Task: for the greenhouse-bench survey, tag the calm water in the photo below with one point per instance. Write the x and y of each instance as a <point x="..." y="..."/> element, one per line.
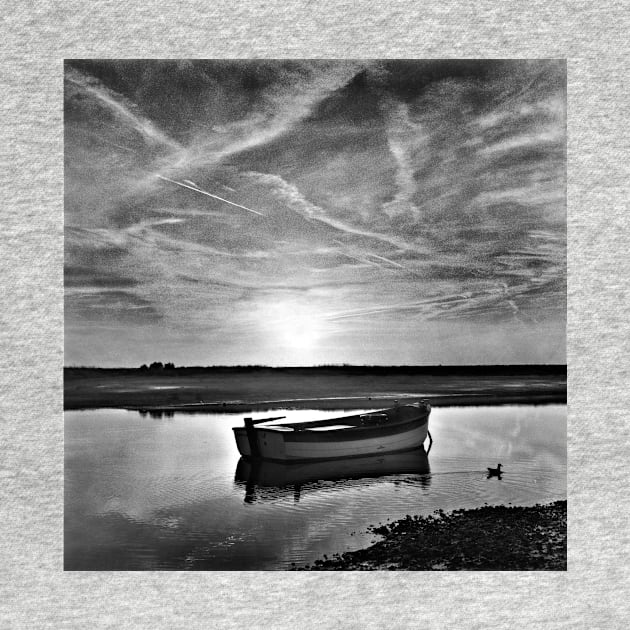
<point x="170" y="493"/>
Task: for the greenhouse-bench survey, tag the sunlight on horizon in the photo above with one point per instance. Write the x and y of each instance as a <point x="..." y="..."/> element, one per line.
<point x="291" y="326"/>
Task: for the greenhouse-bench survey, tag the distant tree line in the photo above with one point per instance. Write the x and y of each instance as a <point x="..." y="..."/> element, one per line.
<point x="157" y="366"/>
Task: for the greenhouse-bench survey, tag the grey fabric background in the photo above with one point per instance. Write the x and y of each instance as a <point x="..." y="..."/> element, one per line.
<point x="34" y="590"/>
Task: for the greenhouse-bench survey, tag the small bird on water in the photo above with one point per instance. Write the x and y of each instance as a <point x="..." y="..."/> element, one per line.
<point x="494" y="472"/>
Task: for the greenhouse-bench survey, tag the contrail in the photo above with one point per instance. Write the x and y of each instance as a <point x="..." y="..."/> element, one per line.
<point x="203" y="192"/>
<point x="387" y="260"/>
<point x="145" y="127"/>
<point x="361" y="260"/>
<point x="413" y="306"/>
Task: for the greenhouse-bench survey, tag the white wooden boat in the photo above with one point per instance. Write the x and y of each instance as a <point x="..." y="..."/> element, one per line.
<point x="399" y="428"/>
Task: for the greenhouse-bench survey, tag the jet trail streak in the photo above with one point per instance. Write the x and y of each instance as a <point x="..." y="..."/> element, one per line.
<point x="203" y="192"/>
<point x="387" y="260"/>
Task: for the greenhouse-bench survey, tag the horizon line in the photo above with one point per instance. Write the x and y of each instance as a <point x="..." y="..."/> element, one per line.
<point x="321" y="365"/>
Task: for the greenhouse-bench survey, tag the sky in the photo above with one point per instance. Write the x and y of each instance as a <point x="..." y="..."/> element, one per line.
<point x="311" y="212"/>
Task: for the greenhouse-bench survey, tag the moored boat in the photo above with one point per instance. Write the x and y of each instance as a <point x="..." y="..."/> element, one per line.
<point x="399" y="428"/>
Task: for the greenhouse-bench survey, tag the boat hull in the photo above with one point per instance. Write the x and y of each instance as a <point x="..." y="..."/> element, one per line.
<point x="402" y="428"/>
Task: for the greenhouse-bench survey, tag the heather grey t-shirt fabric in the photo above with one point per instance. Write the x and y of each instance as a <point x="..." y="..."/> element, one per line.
<point x="34" y="590"/>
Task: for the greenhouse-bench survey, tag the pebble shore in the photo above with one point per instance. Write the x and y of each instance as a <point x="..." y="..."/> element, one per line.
<point x="490" y="538"/>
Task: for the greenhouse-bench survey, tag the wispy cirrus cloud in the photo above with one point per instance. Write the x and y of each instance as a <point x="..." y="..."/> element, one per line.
<point x="290" y="195"/>
<point x="291" y="99"/>
<point x="401" y="200"/>
<point x="119" y="106"/>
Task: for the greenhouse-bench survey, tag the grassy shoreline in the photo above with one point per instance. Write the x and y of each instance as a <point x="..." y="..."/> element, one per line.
<point x="353" y="403"/>
<point x="327" y="388"/>
<point x="490" y="538"/>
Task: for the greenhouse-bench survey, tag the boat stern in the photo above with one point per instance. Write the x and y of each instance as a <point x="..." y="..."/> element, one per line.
<point x="242" y="441"/>
<point x="267" y="443"/>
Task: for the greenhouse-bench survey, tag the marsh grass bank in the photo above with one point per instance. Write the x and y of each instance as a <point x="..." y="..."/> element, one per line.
<point x="242" y="388"/>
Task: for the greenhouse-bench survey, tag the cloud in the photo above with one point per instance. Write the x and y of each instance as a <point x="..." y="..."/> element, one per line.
<point x="112" y="305"/>
<point x="407" y="143"/>
<point x="399" y="197"/>
<point x="278" y="107"/>
<point x="117" y="105"/>
<point x="78" y="276"/>
<point x="290" y="195"/>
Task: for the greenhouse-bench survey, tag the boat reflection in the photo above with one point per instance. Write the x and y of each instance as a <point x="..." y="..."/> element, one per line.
<point x="268" y="480"/>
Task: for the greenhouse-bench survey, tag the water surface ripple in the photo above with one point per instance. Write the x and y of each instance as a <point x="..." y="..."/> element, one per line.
<point x="172" y="493"/>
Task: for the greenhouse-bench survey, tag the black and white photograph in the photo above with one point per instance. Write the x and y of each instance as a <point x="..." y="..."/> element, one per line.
<point x="315" y="314"/>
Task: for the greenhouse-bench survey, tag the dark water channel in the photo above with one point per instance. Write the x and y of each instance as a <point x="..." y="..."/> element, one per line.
<point x="144" y="493"/>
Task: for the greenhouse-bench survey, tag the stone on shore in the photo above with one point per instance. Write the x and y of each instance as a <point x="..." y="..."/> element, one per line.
<point x="490" y="538"/>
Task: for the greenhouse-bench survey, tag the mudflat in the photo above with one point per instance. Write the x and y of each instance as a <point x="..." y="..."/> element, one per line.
<point x="347" y="387"/>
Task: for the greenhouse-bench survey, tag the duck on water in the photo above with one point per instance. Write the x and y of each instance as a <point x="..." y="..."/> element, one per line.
<point x="495" y="472"/>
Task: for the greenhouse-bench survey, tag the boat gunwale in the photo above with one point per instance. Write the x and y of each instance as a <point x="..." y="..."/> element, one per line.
<point x="356" y="418"/>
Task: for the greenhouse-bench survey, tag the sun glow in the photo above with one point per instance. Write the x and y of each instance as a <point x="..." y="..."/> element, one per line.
<point x="293" y="328"/>
<point x="300" y="332"/>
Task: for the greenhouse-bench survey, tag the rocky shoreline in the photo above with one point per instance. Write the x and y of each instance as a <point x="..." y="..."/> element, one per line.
<point x="490" y="538"/>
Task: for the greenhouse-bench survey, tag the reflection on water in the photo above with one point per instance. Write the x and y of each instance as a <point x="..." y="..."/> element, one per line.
<point x="156" y="414"/>
<point x="145" y="492"/>
<point x="270" y="480"/>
